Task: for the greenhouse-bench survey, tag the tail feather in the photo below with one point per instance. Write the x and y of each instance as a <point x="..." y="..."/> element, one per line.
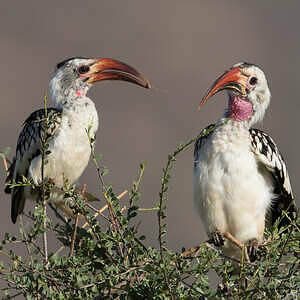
<point x="17" y="202"/>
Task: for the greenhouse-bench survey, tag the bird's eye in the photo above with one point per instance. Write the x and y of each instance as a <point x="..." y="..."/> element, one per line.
<point x="253" y="80"/>
<point x="83" y="69"/>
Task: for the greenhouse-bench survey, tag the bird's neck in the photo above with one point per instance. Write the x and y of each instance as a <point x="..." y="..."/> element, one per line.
<point x="231" y="126"/>
<point x="81" y="111"/>
<point x="80" y="104"/>
<point x="63" y="96"/>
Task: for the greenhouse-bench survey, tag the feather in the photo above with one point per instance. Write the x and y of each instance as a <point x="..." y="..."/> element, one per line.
<point x="270" y="159"/>
<point x="28" y="147"/>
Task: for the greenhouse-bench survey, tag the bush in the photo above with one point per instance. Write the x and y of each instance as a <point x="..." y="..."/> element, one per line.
<point x="95" y="261"/>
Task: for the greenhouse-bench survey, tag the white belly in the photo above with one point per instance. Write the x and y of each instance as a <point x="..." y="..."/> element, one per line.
<point x="229" y="191"/>
<point x="70" y="153"/>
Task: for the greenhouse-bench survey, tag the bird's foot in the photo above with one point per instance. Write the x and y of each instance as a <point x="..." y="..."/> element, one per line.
<point x="225" y="290"/>
<point x="252" y="249"/>
<point x="216" y="238"/>
<point x="69" y="202"/>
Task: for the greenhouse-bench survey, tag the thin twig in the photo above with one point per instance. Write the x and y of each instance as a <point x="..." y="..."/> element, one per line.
<point x="136" y="184"/>
<point x="5" y="163"/>
<point x="57" y="214"/>
<point x="236" y="242"/>
<point x="74" y="236"/>
<point x="37" y="247"/>
<point x="75" y="225"/>
<point x="58" y="250"/>
<point x="24" y="236"/>
<point x="101" y="210"/>
<point x="112" y="214"/>
<point x="44" y="141"/>
<point x="45" y="234"/>
<point x="192" y="250"/>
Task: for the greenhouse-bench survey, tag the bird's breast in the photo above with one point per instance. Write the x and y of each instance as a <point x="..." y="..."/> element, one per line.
<point x="69" y="148"/>
<point x="227" y="172"/>
<point x="69" y="155"/>
<point x="72" y="146"/>
<point x="224" y="161"/>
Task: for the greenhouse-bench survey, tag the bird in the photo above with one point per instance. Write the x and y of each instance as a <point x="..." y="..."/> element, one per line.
<point x="71" y="116"/>
<point x="241" y="183"/>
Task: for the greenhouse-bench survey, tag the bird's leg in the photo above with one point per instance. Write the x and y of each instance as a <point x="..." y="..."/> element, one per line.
<point x="216" y="238"/>
<point x="225" y="290"/>
<point x="252" y="249"/>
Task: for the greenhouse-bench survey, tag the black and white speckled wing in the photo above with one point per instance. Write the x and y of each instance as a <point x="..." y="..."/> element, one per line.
<point x="200" y="142"/>
<point x="29" y="147"/>
<point x="271" y="160"/>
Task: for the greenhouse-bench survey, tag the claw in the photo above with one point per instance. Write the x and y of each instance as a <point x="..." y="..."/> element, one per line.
<point x="252" y="249"/>
<point x="217" y="238"/>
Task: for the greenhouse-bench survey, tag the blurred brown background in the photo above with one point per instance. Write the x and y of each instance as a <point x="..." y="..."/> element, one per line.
<point x="181" y="46"/>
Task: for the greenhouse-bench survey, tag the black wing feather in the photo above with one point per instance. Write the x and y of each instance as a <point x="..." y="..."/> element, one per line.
<point x="270" y="158"/>
<point x="28" y="147"/>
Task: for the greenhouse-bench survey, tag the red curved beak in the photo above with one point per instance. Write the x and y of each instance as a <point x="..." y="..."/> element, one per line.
<point x="233" y="79"/>
<point x="111" y="69"/>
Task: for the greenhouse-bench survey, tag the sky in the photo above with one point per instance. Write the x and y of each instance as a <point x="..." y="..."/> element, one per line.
<point x="181" y="47"/>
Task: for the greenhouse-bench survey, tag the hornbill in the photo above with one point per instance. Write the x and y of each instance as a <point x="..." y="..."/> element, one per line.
<point x="241" y="181"/>
<point x="73" y="114"/>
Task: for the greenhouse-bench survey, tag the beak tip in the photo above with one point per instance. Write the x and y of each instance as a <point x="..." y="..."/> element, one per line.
<point x="148" y="85"/>
<point x="202" y="102"/>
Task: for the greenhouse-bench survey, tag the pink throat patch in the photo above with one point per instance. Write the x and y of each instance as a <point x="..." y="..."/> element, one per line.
<point x="80" y="93"/>
<point x="239" y="109"/>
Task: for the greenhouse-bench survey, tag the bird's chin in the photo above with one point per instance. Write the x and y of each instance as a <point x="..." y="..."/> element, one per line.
<point x="80" y="93"/>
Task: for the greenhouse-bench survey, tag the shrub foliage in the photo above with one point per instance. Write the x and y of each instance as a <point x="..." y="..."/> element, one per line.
<point x="106" y="257"/>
